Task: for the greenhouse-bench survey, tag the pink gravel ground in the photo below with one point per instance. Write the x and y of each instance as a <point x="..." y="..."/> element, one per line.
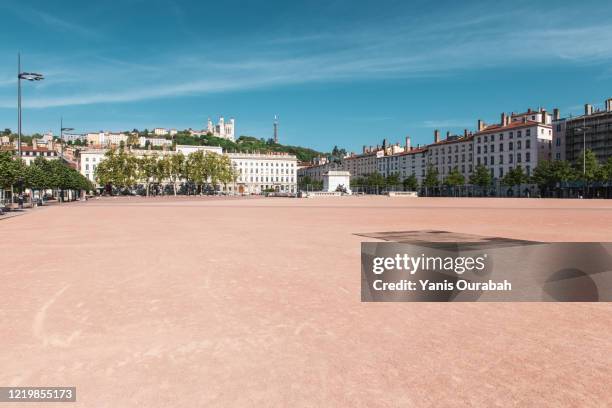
<point x="256" y="302"/>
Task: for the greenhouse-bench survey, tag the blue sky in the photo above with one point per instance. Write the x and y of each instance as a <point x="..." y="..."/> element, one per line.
<point x="336" y="72"/>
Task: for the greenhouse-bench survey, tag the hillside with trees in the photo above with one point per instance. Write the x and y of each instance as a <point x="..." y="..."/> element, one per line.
<point x="246" y="144"/>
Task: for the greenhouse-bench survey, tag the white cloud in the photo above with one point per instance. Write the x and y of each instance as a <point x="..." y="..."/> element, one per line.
<point x="446" y="47"/>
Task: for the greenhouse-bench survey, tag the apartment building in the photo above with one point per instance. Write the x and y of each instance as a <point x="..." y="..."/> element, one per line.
<point x="318" y="169"/>
<point x="592" y="130"/>
<point x="30" y="153"/>
<point x="106" y="139"/>
<point x="403" y="162"/>
<point x="456" y="151"/>
<point x="362" y="165"/>
<point x="257" y="172"/>
<point x="154" y="141"/>
<point x="519" y="139"/>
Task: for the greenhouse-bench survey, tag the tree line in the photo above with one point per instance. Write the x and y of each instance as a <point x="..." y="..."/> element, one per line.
<point x="39" y="176"/>
<point x="548" y="175"/>
<point x="123" y="170"/>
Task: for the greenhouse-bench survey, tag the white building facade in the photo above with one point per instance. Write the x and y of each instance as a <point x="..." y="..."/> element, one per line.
<point x="154" y="141"/>
<point x="258" y="172"/>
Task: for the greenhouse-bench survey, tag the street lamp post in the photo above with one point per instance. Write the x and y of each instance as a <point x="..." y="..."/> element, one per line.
<point x="28" y="76"/>
<point x="583" y="129"/>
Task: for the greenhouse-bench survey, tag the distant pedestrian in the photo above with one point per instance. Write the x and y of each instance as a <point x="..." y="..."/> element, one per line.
<point x="20" y="201"/>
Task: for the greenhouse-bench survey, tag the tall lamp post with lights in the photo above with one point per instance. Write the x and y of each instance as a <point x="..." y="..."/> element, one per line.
<point x="27" y="76"/>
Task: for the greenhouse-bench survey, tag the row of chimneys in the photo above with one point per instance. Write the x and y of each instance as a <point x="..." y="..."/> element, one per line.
<point x="588" y="108"/>
<point x="407" y="147"/>
<point x="505" y="121"/>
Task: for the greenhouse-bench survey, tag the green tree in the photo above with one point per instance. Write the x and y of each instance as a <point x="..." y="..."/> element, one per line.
<point x="11" y="170"/>
<point x="392" y="180"/>
<point x="147" y="170"/>
<point x="607" y="170"/>
<point x="176" y="169"/>
<point x="481" y="177"/>
<point x="118" y="169"/>
<point x="515" y="177"/>
<point x="411" y="183"/>
<point x="454" y="179"/>
<point x="590" y="172"/>
<point x="197" y="169"/>
<point x="431" y="177"/>
<point x="375" y="181"/>
<point x="548" y="174"/>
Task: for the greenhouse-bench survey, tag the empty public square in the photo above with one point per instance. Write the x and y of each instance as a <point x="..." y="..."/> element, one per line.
<point x="256" y="302"/>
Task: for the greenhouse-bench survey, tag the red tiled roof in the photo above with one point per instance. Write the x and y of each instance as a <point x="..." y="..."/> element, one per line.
<point x="456" y="140"/>
<point x="413" y="151"/>
<point x="513" y="125"/>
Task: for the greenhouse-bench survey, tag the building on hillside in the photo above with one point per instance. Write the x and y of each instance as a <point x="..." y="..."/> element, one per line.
<point x="592" y="130"/>
<point x="106" y="138"/>
<point x="160" y="131"/>
<point x="154" y="141"/>
<point x="72" y="137"/>
<point x="258" y="172"/>
<point x="222" y="129"/>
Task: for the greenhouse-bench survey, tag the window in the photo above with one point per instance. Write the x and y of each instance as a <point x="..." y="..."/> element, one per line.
<point x="558" y="141"/>
<point x="518" y="133"/>
<point x="510" y="157"/>
<point x="510" y="146"/>
<point x="518" y="157"/>
<point x="501" y="147"/>
<point x="501" y="159"/>
<point x="528" y="156"/>
<point x="518" y="145"/>
<point x="492" y="148"/>
<point x="527" y="144"/>
<point x="492" y="160"/>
